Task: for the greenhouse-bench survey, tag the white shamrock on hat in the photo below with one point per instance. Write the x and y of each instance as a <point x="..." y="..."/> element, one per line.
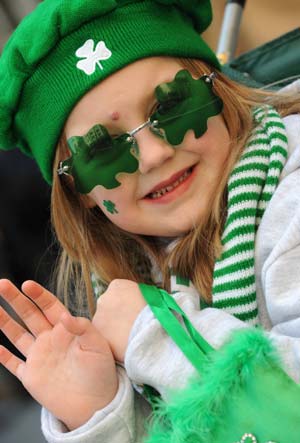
<point x="92" y="57"/>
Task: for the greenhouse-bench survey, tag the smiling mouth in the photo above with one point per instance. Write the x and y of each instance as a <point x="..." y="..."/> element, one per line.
<point x="163" y="191"/>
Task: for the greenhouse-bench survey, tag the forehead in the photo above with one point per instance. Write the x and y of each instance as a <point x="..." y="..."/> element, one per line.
<point x="131" y="86"/>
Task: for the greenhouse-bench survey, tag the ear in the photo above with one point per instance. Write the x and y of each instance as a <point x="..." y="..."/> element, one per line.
<point x="87" y="201"/>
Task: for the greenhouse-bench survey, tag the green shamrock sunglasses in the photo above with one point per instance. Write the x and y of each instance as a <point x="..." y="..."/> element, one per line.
<point x="183" y="104"/>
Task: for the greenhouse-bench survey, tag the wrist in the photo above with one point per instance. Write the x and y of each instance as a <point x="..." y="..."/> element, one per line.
<point x="87" y="408"/>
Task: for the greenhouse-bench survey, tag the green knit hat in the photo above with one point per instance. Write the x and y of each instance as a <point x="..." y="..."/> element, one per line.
<point x="65" y="47"/>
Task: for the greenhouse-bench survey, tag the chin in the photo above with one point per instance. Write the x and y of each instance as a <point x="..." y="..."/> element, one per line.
<point x="165" y="228"/>
<point x="174" y="231"/>
<point x="182" y="228"/>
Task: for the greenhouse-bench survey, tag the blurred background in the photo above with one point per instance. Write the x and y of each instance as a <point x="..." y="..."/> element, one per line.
<point x="26" y="245"/>
<point x="26" y="250"/>
<point x="262" y="21"/>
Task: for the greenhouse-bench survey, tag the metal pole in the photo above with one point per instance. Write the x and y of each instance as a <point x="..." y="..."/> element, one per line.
<point x="230" y="30"/>
<point x="16" y="10"/>
<point x="6" y="27"/>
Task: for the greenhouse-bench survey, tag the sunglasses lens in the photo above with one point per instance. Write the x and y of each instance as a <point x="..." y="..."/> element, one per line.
<point x="97" y="159"/>
<point x="185" y="104"/>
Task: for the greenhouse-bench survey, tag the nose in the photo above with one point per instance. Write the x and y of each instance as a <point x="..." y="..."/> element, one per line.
<point x="153" y="150"/>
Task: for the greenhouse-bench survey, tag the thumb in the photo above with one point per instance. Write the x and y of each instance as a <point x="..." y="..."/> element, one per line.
<point x="89" y="338"/>
<point x="75" y="325"/>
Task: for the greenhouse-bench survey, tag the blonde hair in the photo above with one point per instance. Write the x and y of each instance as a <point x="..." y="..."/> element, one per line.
<point x="91" y="243"/>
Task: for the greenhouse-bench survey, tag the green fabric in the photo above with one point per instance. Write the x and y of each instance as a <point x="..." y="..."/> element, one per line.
<point x="66" y="47"/>
<point x="161" y="303"/>
<point x="240" y="389"/>
<point x="274" y="64"/>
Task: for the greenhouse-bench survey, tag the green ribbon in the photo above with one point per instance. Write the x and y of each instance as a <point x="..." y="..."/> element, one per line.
<point x="164" y="307"/>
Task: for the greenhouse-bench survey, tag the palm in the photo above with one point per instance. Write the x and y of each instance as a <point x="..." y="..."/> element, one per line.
<point x="69" y="367"/>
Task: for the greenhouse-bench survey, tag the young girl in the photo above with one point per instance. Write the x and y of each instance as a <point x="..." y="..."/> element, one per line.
<point x="165" y="172"/>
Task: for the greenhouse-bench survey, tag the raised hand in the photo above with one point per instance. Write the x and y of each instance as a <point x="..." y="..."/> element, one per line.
<point x="69" y="367"/>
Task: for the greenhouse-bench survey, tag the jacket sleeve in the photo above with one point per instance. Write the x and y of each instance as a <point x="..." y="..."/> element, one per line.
<point x="278" y="258"/>
<point x="122" y="420"/>
<point x="153" y="358"/>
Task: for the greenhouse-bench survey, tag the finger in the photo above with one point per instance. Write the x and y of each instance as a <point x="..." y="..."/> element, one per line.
<point x="48" y="303"/>
<point x="25" y="308"/>
<point x="18" y="336"/>
<point x="14" y="364"/>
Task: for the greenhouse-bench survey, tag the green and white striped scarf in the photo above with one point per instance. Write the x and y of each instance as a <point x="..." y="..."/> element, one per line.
<point x="250" y="188"/>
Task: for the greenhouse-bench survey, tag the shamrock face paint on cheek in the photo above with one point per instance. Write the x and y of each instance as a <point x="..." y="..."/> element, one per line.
<point x="97" y="159"/>
<point x="110" y="207"/>
<point x="184" y="104"/>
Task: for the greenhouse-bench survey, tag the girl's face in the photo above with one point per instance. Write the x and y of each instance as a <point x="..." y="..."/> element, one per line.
<point x="173" y="186"/>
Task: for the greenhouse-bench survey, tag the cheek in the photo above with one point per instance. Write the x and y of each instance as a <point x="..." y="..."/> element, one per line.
<point x="213" y="145"/>
<point x="198" y="146"/>
<point x="112" y="202"/>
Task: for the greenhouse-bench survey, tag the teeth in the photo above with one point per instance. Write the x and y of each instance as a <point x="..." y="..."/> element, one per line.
<point x="163" y="191"/>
